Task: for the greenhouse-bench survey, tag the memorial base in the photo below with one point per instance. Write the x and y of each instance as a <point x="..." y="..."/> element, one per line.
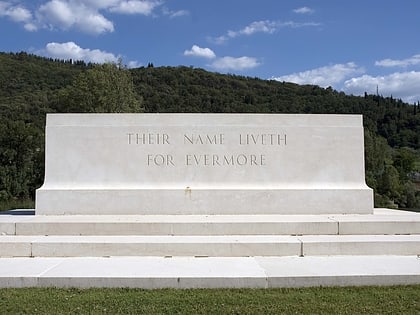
<point x="209" y="251"/>
<point x="205" y="201"/>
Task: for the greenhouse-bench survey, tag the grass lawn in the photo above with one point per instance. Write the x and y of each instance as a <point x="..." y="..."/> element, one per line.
<point x="348" y="300"/>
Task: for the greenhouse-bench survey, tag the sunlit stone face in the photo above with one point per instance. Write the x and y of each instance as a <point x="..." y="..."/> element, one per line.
<point x="228" y="163"/>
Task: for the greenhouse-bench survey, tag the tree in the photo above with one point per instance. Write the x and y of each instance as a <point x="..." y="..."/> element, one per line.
<point x="405" y="161"/>
<point x="106" y="88"/>
<point x="390" y="183"/>
<point x="20" y="148"/>
<point x="378" y="155"/>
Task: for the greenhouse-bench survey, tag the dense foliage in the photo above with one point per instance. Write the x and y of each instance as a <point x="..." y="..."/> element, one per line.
<point x="32" y="86"/>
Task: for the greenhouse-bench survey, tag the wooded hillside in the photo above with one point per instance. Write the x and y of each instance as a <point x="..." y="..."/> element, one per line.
<point x="32" y="86"/>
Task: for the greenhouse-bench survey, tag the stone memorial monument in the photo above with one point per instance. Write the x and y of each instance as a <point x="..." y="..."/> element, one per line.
<point x="204" y="164"/>
<point x="205" y="201"/>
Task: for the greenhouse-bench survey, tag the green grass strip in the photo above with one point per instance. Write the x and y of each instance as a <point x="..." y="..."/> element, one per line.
<point x="332" y="300"/>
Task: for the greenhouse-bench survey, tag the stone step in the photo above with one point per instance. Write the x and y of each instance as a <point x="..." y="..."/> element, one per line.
<point x="211" y="246"/>
<point x="211" y="272"/>
<point x="383" y="221"/>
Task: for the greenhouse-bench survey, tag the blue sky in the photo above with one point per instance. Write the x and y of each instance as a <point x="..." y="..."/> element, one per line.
<point x="354" y="46"/>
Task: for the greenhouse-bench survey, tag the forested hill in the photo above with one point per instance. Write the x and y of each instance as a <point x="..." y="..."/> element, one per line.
<point x="183" y="89"/>
<point x="32" y="86"/>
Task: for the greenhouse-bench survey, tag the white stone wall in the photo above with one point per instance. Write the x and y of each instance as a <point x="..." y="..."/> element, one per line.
<point x="204" y="164"/>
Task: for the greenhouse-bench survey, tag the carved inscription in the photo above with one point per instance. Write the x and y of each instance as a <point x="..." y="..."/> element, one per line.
<point x="206" y="141"/>
<point x="148" y="138"/>
<point x="263" y="139"/>
<point x="224" y="160"/>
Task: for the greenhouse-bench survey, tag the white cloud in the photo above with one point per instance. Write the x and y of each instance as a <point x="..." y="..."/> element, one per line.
<point x="174" y="14"/>
<point x="100" y="4"/>
<point x="404" y="85"/>
<point x="83" y="15"/>
<point x="57" y="12"/>
<point x="94" y="23"/>
<point x="65" y="14"/>
<point x="266" y="26"/>
<point x="218" y="40"/>
<point x="303" y="10"/>
<point x="135" y="7"/>
<point x="70" y="50"/>
<point x="17" y="14"/>
<point x="134" y="64"/>
<point x="31" y="27"/>
<point x="224" y="63"/>
<point x="197" y="51"/>
<point x="348" y="77"/>
<point x="412" y="61"/>
<point x="236" y="64"/>
<point x="256" y="27"/>
<point x="323" y="76"/>
<point x="292" y="24"/>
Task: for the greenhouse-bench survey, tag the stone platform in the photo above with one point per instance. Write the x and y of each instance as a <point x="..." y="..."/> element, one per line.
<point x="209" y="272"/>
<point x="153" y="251"/>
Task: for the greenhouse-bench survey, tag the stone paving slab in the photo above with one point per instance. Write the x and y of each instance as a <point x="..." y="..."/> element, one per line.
<point x="320" y="245"/>
<point x="212" y="246"/>
<point x="222" y="272"/>
<point x="216" y="246"/>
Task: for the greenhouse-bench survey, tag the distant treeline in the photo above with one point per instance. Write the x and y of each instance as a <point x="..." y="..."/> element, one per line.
<point x="31" y="86"/>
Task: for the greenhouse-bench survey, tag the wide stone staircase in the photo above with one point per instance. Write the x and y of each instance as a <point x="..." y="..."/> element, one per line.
<point x="153" y="251"/>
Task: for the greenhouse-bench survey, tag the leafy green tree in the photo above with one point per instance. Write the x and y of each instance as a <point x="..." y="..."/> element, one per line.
<point x="410" y="197"/>
<point x="20" y="148"/>
<point x="106" y="88"/>
<point x="378" y="154"/>
<point x="404" y="161"/>
<point x="390" y="183"/>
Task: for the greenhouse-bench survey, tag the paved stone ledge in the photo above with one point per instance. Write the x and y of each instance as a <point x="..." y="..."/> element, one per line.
<point x="377" y="259"/>
<point x="211" y="246"/>
<point x="383" y="221"/>
<point x="227" y="272"/>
